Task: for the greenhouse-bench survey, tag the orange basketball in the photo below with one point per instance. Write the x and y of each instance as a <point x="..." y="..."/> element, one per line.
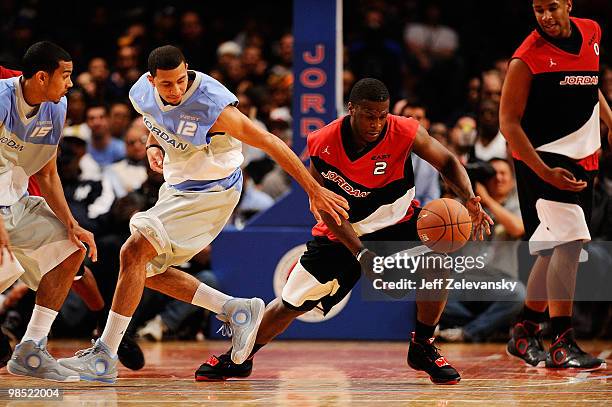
<point x="444" y="225"/>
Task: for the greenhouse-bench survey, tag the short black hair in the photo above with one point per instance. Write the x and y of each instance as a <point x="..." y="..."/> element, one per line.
<point x="96" y="105"/>
<point x="166" y="57"/>
<point x="369" y="89"/>
<point x="43" y="56"/>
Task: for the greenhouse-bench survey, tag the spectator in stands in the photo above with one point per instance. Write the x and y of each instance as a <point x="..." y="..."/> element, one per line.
<point x="254" y="65"/>
<point x="130" y="173"/>
<point x="75" y="114"/>
<point x="120" y="118"/>
<point x="376" y="54"/>
<point x="284" y="55"/>
<point x="126" y="70"/>
<point x="491" y="86"/>
<point x="490" y="143"/>
<point x="88" y="198"/>
<point x="227" y="52"/>
<point x="439" y="131"/>
<point x="432" y="48"/>
<point x="277" y="182"/>
<point x="198" y="49"/>
<point x="248" y="108"/>
<point x="103" y="147"/>
<point x="426" y="177"/>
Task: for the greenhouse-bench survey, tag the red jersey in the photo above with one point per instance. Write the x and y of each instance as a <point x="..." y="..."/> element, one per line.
<point x="8" y="73"/>
<point x="378" y="182"/>
<point x="562" y="111"/>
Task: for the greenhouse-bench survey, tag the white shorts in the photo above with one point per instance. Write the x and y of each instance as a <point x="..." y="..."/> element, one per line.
<point x="38" y="239"/>
<point x="181" y="224"/>
<point x="559" y="223"/>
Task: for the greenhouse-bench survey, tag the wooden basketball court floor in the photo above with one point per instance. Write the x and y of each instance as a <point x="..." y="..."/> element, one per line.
<point x="323" y="373"/>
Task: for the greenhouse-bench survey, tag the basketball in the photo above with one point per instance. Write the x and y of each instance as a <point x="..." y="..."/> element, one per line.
<point x="444" y="225"/>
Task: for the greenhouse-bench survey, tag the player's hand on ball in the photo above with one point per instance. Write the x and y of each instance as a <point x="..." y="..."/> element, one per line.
<point x="481" y="222"/>
<point x="156" y="159"/>
<point x="322" y="199"/>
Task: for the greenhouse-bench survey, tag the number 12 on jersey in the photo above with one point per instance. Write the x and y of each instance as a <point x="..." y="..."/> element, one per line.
<point x="186" y="128"/>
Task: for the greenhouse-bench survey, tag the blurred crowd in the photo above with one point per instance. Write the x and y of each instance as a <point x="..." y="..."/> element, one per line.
<point x="441" y="68"/>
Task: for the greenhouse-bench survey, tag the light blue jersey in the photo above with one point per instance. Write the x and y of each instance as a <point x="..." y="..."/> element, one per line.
<point x="195" y="159"/>
<point x="26" y="144"/>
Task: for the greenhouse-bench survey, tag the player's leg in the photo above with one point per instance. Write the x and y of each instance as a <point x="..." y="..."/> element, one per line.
<point x="526" y="340"/>
<point x="242" y="315"/>
<point x="526" y="337"/>
<point x="422" y="353"/>
<point x="276" y="320"/>
<point x="564" y="351"/>
<point x="50" y="260"/>
<point x="172" y="232"/>
<point x="99" y="362"/>
<point x="323" y="276"/>
<point x="86" y="287"/>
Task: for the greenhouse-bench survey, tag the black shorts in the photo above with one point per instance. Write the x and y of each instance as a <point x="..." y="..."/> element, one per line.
<point x="558" y="211"/>
<point x="328" y="271"/>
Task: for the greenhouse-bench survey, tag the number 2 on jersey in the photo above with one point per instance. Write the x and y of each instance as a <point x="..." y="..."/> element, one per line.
<point x="380" y="167"/>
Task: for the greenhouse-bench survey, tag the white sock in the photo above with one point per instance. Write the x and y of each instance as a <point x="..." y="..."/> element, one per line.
<point x="114" y="331"/>
<point x="209" y="298"/>
<point x="40" y="324"/>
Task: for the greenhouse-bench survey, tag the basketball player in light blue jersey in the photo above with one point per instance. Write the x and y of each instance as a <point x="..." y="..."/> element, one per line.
<point x="195" y="133"/>
<point x="40" y="241"/>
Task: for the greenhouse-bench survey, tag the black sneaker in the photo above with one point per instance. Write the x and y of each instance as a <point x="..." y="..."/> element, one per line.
<point x="130" y="354"/>
<point x="222" y="368"/>
<point x="526" y="344"/>
<point x="5" y="350"/>
<point x="565" y="353"/>
<point x="425" y="356"/>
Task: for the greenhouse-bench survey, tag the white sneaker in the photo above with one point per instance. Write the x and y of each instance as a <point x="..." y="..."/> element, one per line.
<point x="241" y="319"/>
<point x="153" y="330"/>
<point x="93" y="364"/>
<point x="452" y="334"/>
<point x="33" y="359"/>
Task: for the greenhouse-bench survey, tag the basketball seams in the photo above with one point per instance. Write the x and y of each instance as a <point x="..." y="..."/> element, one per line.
<point x="450" y="218"/>
<point x="433" y="227"/>
<point x="439" y="225"/>
<point x="462" y="223"/>
<point x="433" y="213"/>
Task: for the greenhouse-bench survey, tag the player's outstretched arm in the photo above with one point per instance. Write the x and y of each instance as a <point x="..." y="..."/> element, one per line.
<point x="515" y="93"/>
<point x="232" y="121"/>
<point x="51" y="189"/>
<point x="455" y="175"/>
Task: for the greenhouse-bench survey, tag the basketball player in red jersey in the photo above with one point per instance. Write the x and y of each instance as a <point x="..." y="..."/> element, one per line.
<point x="550" y="111"/>
<point x="365" y="157"/>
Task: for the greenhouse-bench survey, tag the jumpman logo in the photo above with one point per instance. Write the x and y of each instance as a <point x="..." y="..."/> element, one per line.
<point x="326" y="150"/>
<point x="552" y="63"/>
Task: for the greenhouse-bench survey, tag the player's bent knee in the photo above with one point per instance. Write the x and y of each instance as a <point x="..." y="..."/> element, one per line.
<point x="136" y="249"/>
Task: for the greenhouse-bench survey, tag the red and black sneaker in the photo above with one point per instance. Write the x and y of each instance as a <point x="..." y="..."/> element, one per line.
<point x="565" y="353"/>
<point x="222" y="368"/>
<point x="5" y="350"/>
<point x="526" y="343"/>
<point x="423" y="355"/>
